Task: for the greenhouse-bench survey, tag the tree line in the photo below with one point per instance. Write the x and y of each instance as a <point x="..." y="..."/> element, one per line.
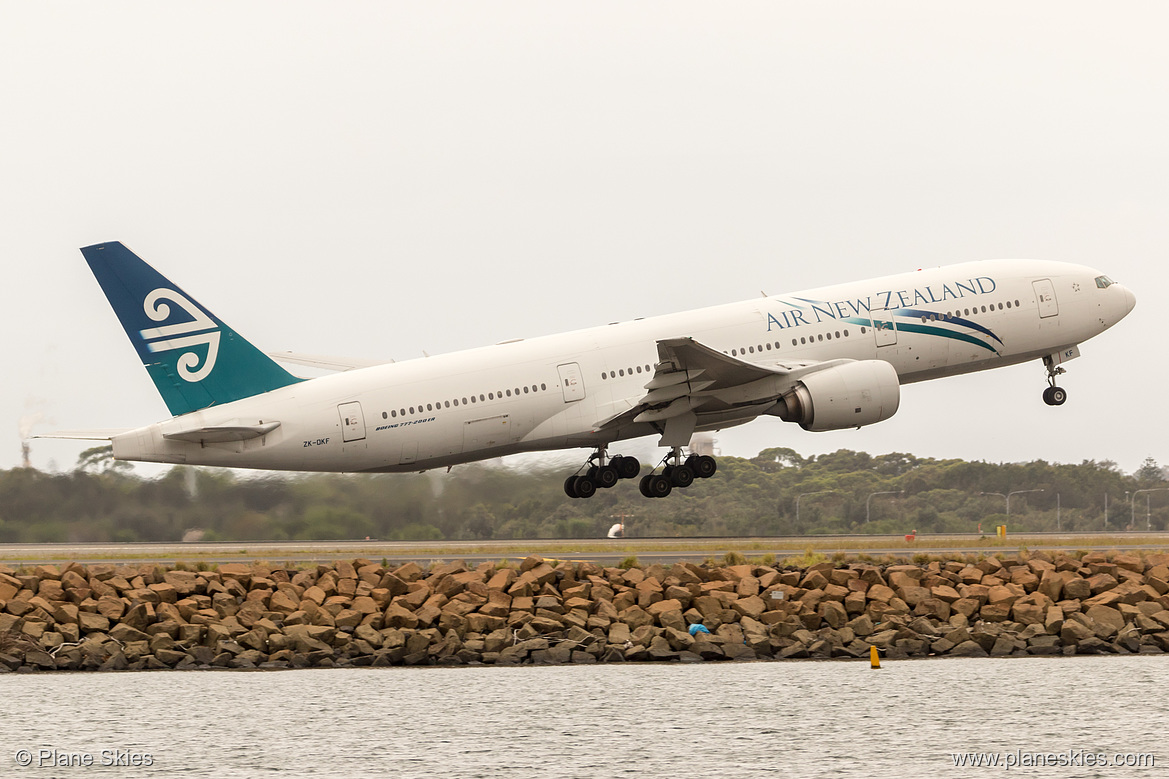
<point x="777" y="492"/>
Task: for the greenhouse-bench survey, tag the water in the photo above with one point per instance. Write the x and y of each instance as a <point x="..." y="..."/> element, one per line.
<point x="800" y="719"/>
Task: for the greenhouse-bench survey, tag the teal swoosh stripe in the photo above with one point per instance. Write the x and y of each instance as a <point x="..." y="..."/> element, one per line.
<point x="927" y="330"/>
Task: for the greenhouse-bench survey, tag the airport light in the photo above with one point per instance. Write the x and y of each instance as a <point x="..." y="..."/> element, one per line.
<point x="1007" y="497"/>
<point x="1148" y="515"/>
<point x="806" y="495"/>
<point x="869" y="500"/>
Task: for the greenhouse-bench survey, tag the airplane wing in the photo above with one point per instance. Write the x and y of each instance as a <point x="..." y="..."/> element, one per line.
<point x="693" y="379"/>
<point x="325" y="361"/>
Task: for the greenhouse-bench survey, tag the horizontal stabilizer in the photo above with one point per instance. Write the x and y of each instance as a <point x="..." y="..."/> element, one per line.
<point x="222" y="434"/>
<point x="325" y="361"/>
<point x="85" y="435"/>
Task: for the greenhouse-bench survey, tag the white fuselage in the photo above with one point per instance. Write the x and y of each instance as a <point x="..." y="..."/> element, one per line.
<point x="554" y="392"/>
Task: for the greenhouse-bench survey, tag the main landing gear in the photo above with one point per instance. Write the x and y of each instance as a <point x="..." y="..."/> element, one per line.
<point x="601" y="474"/>
<point x="679" y="473"/>
<point x="1053" y="395"/>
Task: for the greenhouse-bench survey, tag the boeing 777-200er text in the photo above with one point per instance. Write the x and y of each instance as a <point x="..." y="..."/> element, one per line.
<point x="827" y="359"/>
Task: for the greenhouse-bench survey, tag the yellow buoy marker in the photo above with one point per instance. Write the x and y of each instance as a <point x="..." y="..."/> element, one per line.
<point x="874" y="658"/>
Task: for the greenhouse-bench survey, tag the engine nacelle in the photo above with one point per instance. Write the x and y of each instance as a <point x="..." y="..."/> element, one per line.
<point x="849" y="395"/>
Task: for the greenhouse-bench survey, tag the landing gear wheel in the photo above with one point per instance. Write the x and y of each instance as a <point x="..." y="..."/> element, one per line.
<point x="627" y="467"/>
<point x="605" y="477"/>
<point x="703" y="465"/>
<point x="658" y="486"/>
<point x="643" y="485"/>
<point x="570" y="487"/>
<point x="681" y="476"/>
<point x="1055" y="396"/>
<point x="584" y="487"/>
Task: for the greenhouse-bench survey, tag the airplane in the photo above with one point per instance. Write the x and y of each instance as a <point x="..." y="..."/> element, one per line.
<point x="830" y="358"/>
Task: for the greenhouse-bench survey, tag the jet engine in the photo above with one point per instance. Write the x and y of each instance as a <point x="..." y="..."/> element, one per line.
<point x="850" y="395"/>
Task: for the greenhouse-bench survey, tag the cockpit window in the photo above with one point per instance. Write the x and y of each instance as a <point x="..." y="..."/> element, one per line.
<point x="1103" y="282"/>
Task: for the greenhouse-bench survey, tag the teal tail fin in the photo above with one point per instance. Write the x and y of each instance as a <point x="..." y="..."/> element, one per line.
<point x="195" y="360"/>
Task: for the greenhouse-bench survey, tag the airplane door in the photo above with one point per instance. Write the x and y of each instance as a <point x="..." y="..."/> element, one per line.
<point x="884" y="326"/>
<point x="571" y="381"/>
<point x="352" y="422"/>
<point x="1045" y="295"/>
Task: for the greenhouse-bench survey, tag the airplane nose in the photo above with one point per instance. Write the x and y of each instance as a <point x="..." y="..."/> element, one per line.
<point x="1130" y="300"/>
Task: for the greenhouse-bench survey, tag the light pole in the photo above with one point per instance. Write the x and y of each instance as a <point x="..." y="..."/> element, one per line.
<point x="1016" y="492"/>
<point x="1007" y="497"/>
<point x="805" y="495"/>
<point x="868" y="501"/>
<point x="1148" y="515"/>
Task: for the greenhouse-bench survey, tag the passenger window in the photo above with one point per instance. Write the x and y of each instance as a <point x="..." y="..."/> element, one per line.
<point x="411" y="409"/>
<point x="543" y="387"/>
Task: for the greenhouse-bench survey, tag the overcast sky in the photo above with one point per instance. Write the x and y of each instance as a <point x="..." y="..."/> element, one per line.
<point x="379" y="179"/>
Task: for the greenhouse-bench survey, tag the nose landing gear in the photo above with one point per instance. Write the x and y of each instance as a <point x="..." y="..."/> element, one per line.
<point x="1053" y="395"/>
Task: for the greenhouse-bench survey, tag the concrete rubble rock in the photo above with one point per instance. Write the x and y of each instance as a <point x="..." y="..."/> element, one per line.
<point x="358" y="613"/>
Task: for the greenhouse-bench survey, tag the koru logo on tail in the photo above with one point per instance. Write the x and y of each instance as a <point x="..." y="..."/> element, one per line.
<point x="200" y="331"/>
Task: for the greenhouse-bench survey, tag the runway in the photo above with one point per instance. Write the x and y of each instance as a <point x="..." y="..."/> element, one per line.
<point x="601" y="551"/>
